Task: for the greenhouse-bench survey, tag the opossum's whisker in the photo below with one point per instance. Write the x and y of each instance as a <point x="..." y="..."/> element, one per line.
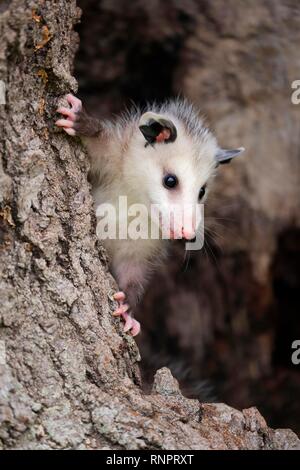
<point x="214" y="236"/>
<point x="212" y="254"/>
<point x="187" y="258"/>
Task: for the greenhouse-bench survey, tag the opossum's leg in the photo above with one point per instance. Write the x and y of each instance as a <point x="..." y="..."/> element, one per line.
<point x="131" y="278"/>
<point x="76" y="121"/>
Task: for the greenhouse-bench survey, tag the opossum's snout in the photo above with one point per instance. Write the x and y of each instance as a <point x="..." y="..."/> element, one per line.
<point x="185" y="212"/>
<point x="187" y="233"/>
<point x="179" y="222"/>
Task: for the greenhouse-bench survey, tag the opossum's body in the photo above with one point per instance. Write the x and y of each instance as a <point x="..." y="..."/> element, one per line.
<point x="164" y="156"/>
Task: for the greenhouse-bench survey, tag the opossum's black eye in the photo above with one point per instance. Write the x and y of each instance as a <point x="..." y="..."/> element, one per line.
<point x="201" y="192"/>
<point x="170" y="181"/>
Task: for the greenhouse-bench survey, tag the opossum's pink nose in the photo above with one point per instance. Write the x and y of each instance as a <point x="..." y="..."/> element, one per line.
<point x="188" y="234"/>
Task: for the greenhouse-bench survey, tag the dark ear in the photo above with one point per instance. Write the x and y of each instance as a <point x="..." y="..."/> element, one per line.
<point x="156" y="128"/>
<point x="225" y="156"/>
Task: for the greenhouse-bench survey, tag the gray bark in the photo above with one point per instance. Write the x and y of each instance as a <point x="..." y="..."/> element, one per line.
<point x="69" y="377"/>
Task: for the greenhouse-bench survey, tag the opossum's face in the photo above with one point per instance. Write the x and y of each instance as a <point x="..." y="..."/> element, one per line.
<point x="170" y="169"/>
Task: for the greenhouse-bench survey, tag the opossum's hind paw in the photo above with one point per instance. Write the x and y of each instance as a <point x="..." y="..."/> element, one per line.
<point x="70" y="114"/>
<point x="131" y="324"/>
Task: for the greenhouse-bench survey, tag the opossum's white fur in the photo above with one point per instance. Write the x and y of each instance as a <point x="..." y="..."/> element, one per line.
<point x="122" y="165"/>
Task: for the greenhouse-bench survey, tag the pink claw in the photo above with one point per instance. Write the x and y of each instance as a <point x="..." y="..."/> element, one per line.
<point x="119" y="296"/>
<point x="70" y="131"/>
<point x="128" y="322"/>
<point x="136" y="327"/>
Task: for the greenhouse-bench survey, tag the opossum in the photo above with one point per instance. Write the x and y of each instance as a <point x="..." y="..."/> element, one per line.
<point x="163" y="155"/>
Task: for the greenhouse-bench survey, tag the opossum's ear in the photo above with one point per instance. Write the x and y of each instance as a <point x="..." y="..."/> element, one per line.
<point x="156" y="128"/>
<point x="225" y="156"/>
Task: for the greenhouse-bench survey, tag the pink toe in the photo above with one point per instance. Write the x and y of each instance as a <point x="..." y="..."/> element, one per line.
<point x="122" y="309"/>
<point x="128" y="322"/>
<point x="117" y="313"/>
<point x="119" y="296"/>
<point x="74" y="102"/>
<point x="64" y="123"/>
<point x="70" y="131"/>
<point x="136" y="328"/>
<point x="67" y="112"/>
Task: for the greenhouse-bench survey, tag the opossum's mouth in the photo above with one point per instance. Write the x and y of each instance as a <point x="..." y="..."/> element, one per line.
<point x="182" y="236"/>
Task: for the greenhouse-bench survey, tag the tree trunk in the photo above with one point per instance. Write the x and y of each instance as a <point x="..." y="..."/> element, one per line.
<point x="69" y="377"/>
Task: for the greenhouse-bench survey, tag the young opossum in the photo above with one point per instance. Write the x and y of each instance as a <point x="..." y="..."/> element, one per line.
<point x="163" y="156"/>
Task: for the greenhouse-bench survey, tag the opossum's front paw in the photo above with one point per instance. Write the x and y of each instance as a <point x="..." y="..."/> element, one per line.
<point x="71" y="115"/>
<point x="131" y="324"/>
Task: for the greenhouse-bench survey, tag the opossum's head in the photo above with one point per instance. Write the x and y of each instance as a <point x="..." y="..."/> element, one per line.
<point x="173" y="158"/>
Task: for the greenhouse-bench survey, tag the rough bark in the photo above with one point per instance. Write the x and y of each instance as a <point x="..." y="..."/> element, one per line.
<point x="68" y="376"/>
